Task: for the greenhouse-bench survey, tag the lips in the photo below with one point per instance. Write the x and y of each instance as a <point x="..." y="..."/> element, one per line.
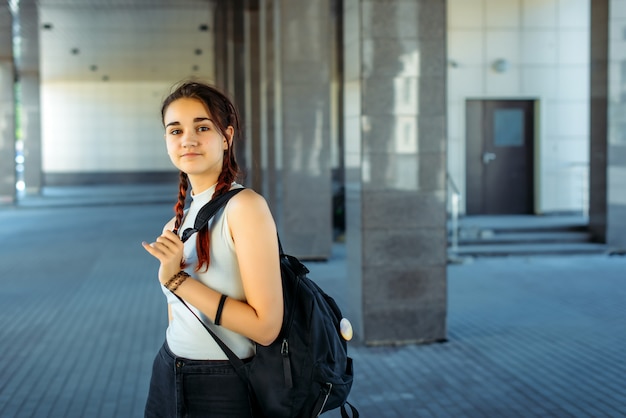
<point x="190" y="155"/>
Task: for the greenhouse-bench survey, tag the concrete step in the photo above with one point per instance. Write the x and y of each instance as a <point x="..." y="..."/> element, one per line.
<point x="101" y="195"/>
<point x="523" y="222"/>
<point x="524" y="235"/>
<point x="520" y="237"/>
<point x="556" y="248"/>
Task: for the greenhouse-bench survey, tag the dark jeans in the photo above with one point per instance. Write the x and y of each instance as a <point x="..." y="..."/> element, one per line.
<point x="183" y="388"/>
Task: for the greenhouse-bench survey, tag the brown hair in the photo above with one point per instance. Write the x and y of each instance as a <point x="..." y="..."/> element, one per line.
<point x="224" y="114"/>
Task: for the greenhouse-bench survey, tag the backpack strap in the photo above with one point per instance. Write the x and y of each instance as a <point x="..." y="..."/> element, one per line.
<point x="208" y="211"/>
<point x="344" y="412"/>
<point x="204" y="215"/>
<point x="237" y="363"/>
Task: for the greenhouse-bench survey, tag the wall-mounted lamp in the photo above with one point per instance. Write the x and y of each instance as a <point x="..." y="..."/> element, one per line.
<point x="500" y="65"/>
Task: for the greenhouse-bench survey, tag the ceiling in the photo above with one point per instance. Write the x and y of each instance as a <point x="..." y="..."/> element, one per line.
<point x="124" y="40"/>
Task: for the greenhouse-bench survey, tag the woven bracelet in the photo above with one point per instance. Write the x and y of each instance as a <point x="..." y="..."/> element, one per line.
<point x="176" y="280"/>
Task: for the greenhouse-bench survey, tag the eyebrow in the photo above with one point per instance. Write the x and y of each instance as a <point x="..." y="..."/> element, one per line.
<point x="195" y="120"/>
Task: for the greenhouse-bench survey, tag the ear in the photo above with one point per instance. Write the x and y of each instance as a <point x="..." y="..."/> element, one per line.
<point x="228" y="137"/>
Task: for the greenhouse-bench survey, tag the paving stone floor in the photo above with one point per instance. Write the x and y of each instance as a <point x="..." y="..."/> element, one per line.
<point x="81" y="318"/>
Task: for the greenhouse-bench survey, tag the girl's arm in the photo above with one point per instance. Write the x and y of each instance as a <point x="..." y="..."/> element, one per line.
<point x="256" y="246"/>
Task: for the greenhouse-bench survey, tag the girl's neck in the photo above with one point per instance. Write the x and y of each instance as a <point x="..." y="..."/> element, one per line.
<point x="199" y="185"/>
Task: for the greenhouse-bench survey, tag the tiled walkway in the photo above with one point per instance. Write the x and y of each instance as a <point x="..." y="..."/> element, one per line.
<point x="81" y="317"/>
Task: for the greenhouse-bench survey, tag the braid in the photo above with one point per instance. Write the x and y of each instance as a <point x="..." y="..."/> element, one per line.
<point x="180" y="204"/>
<point x="224" y="114"/>
<point x="229" y="172"/>
<point x="224" y="181"/>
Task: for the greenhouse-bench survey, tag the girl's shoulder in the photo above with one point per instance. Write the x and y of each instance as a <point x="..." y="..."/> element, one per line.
<point x="246" y="204"/>
<point x="247" y="197"/>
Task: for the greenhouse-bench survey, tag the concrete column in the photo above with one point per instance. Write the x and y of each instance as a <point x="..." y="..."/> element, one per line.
<point x="269" y="119"/>
<point x="7" y="108"/>
<point x="607" y="212"/>
<point x="276" y="61"/>
<point x="304" y="53"/>
<point x="395" y="158"/>
<point x="616" y="141"/>
<point x="598" y="120"/>
<point x="29" y="95"/>
<point x="220" y="33"/>
<point x="234" y="76"/>
<point x="252" y="68"/>
<point x="238" y="42"/>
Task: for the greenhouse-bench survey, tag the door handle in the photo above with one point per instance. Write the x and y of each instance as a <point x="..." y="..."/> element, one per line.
<point x="488" y="157"/>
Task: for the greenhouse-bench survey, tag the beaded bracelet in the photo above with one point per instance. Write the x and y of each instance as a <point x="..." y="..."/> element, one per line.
<point x="176" y="280"/>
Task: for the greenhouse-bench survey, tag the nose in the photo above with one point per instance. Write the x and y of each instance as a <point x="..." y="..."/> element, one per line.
<point x="189" y="139"/>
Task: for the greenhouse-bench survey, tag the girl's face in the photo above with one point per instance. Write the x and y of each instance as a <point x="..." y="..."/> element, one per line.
<point x="194" y="143"/>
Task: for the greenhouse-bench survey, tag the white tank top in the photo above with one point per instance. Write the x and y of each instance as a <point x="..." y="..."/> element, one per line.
<point x="185" y="335"/>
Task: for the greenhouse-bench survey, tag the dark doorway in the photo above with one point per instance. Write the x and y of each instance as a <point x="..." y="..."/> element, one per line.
<point x="499" y="165"/>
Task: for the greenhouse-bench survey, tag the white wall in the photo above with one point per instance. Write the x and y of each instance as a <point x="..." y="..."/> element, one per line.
<point x="546" y="43"/>
<point x="103" y="127"/>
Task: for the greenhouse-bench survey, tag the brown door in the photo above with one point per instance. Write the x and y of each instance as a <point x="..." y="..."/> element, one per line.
<point x="499" y="165"/>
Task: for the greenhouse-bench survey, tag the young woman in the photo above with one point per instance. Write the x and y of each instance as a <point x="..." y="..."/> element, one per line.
<point x="231" y="266"/>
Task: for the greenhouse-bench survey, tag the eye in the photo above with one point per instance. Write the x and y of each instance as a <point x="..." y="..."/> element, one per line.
<point x="175" y="132"/>
<point x="203" y="129"/>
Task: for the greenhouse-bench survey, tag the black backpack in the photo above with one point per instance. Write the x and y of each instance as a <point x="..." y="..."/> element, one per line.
<point x="306" y="370"/>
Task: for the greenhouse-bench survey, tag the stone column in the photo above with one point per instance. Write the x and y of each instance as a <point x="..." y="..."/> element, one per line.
<point x="236" y="70"/>
<point x="303" y="166"/>
<point x="598" y="92"/>
<point x="395" y="158"/>
<point x="616" y="140"/>
<point x="7" y="108"/>
<point x="252" y="68"/>
<point x="238" y="42"/>
<point x="220" y="33"/>
<point x="269" y="116"/>
<point x="29" y="95"/>
<point x="276" y="62"/>
<point x="607" y="212"/>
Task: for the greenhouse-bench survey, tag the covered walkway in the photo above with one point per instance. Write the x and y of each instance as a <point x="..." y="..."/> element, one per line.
<point x="82" y="316"/>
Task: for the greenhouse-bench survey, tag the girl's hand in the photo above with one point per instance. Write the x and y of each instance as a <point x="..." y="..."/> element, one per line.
<point x="168" y="249"/>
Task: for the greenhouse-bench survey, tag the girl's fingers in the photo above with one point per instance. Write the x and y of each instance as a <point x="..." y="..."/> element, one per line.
<point x="159" y="250"/>
<point x="171" y="241"/>
<point x="152" y="249"/>
<point x="167" y="247"/>
<point x="172" y="236"/>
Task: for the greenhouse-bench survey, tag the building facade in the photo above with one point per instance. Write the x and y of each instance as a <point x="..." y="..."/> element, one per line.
<point x="383" y="106"/>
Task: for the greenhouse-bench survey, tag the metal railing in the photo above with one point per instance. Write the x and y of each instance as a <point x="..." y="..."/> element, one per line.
<point x="455" y="207"/>
<point x="581" y="173"/>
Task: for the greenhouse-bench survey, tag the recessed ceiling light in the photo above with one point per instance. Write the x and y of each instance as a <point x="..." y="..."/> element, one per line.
<point x="75" y="51"/>
<point x="94" y="68"/>
<point x="203" y="27"/>
<point x="47" y="26"/>
<point x="198" y="51"/>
